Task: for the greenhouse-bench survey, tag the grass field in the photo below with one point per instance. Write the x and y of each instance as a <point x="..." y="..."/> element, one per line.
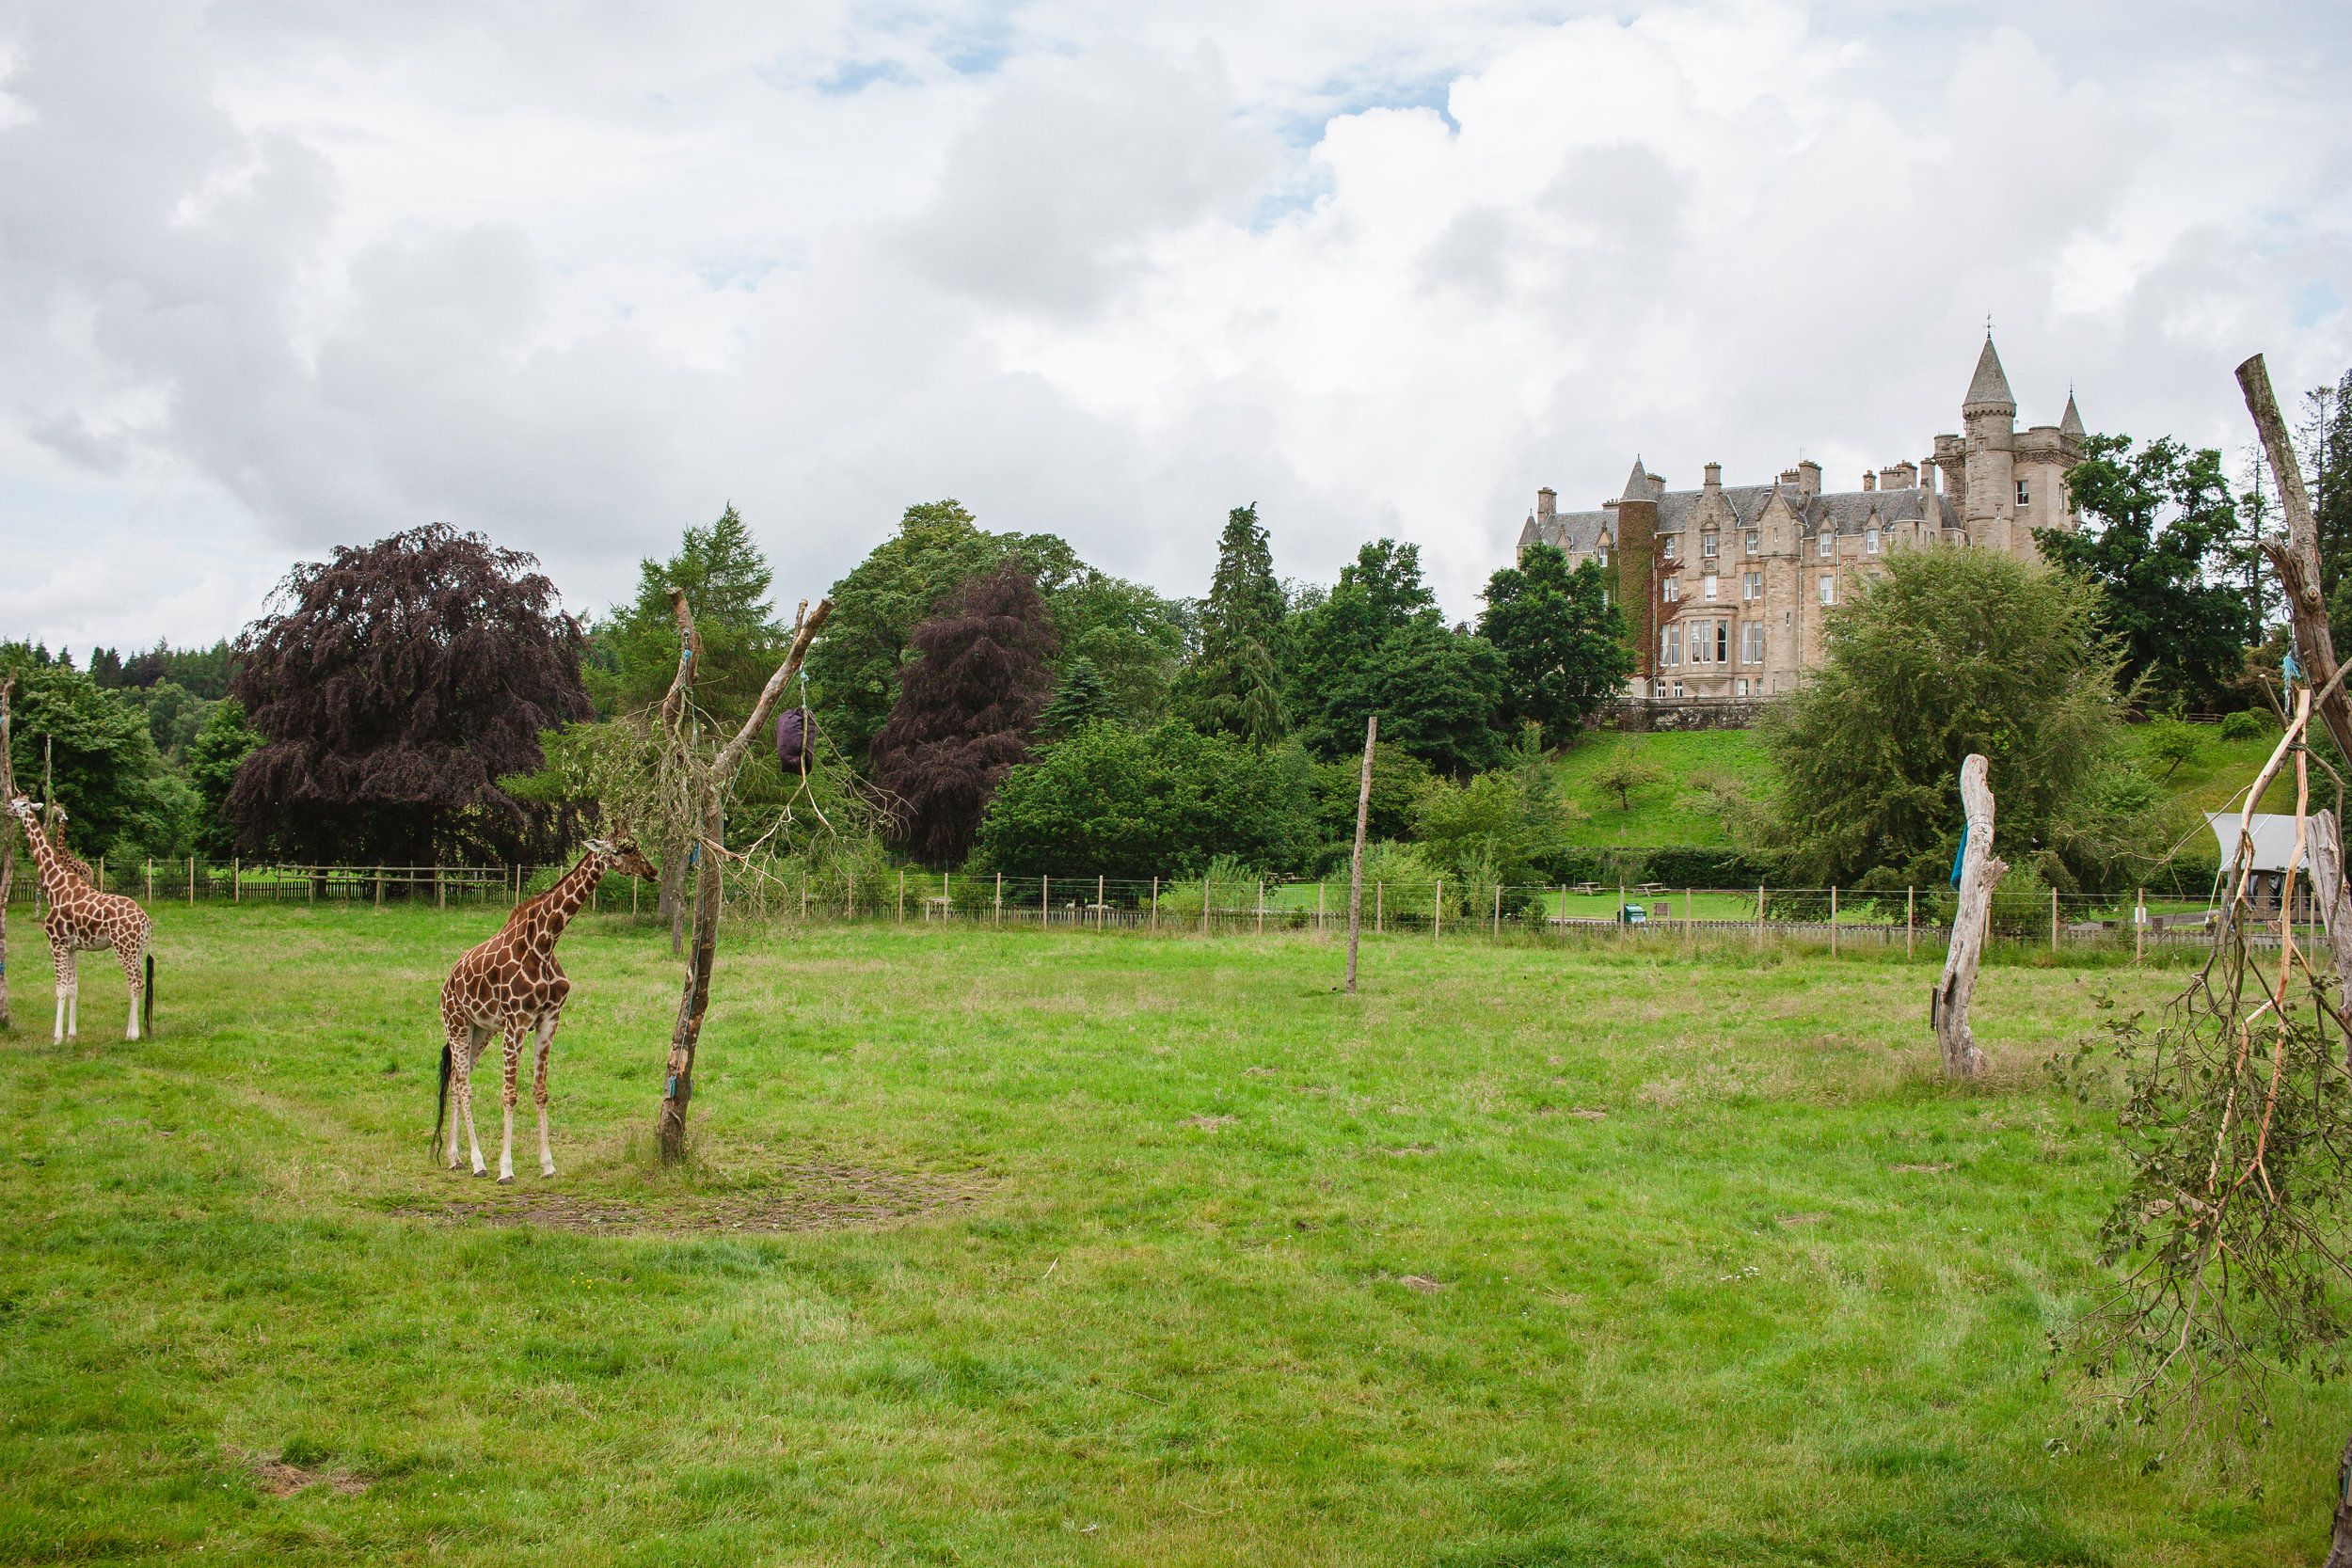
<point x="1025" y="1248"/>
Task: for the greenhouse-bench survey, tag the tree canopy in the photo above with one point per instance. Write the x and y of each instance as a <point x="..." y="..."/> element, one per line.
<point x="966" y="706"/>
<point x="391" y="687"/>
<point x="2157" y="530"/>
<point x="1161" y="803"/>
<point x="119" y="800"/>
<point x="726" y="579"/>
<point x="1235" y="684"/>
<point x="1562" y="641"/>
<point x="1376" y="642"/>
<point x="1952" y="651"/>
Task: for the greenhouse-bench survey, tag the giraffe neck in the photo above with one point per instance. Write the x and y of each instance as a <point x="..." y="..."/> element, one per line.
<point x="53" y="874"/>
<point x="565" y="898"/>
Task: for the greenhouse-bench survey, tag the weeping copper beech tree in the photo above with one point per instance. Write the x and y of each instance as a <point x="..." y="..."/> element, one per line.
<point x="394" y="686"/>
<point x="966" y="705"/>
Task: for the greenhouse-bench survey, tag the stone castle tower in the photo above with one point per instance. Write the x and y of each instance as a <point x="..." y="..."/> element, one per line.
<point x="1726" y="587"/>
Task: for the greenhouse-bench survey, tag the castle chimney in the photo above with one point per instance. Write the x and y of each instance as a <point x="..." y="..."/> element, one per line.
<point x="1545" y="503"/>
<point x="1870" y="479"/>
<point x="1808" y="476"/>
<point x="1714" y="476"/>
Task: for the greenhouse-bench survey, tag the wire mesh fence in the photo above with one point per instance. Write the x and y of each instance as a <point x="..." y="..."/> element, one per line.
<point x="1916" y="919"/>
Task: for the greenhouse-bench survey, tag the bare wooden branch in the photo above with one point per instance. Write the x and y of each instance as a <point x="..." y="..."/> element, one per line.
<point x="2296" y="557"/>
<point x="678" y="1081"/>
<point x="1979" y="871"/>
<point x="1355" y="873"/>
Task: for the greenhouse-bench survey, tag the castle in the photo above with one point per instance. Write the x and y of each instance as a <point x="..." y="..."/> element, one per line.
<point x="1726" y="587"/>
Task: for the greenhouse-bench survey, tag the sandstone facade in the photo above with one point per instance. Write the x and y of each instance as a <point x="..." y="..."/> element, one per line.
<point x="1726" y="587"/>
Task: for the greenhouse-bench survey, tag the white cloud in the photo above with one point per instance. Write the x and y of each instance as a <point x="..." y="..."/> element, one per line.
<point x="273" y="277"/>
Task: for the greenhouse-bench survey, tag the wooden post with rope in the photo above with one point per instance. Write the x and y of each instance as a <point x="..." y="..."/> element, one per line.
<point x="1948" y="1005"/>
<point x="1355" y="861"/>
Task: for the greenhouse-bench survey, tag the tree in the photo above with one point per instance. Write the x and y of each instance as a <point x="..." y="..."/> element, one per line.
<point x="1132" y="638"/>
<point x="1624" y="775"/>
<point x="119" y="799"/>
<point x="392" y="688"/>
<point x="1950" y="652"/>
<point x="726" y="579"/>
<point x="1376" y="642"/>
<point x="1398" y="780"/>
<point x="1562" y="641"/>
<point x="2158" y="526"/>
<point x="1081" y="698"/>
<point x="1162" y="802"/>
<point x="2170" y="742"/>
<point x="213" y="756"/>
<point x="966" y="706"/>
<point x="854" y="670"/>
<point x="2327" y="442"/>
<point x="1508" y="826"/>
<point x="1236" y="684"/>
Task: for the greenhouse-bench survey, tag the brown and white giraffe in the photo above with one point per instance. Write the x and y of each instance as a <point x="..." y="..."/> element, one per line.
<point x="83" y="920"/>
<point x="512" y="984"/>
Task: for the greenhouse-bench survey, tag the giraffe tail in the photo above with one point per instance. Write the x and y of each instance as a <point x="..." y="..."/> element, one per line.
<point x="147" y="999"/>
<point x="441" y="1112"/>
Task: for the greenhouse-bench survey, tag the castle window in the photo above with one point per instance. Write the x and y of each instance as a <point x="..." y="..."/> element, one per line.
<point x="1752" y="643"/>
<point x="1751" y="585"/>
<point x="1673" y="589"/>
<point x="1870" y="541"/>
<point x="2024" y="496"/>
<point x="1829" y="543"/>
<point x="1722" y="642"/>
<point x="1678" y="689"/>
<point x="1708" y="545"/>
<point x="1829" y="589"/>
<point x="1739" y="687"/>
<point x="1709" y="585"/>
<point x="1658" y="687"/>
<point x="1666" y="548"/>
<point x="1750" y="541"/>
<point x="1670" y="645"/>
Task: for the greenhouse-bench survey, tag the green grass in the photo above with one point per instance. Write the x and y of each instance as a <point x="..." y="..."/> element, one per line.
<point x="1194" y="1260"/>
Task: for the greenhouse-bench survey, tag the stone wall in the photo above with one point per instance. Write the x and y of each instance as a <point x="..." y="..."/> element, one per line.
<point x="1651" y="715"/>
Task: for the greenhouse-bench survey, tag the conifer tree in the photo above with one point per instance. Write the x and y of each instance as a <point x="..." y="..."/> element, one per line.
<point x="1081" y="698"/>
<point x="726" y="580"/>
<point x="1236" y="684"/>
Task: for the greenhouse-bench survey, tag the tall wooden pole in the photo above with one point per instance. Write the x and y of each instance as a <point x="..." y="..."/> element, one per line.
<point x="1355" y="866"/>
<point x="1979" y="871"/>
<point x="2296" y="557"/>
<point x="7" y="845"/>
<point x="677" y="1090"/>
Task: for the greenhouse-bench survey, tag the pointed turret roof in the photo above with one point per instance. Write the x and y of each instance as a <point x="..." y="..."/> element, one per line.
<point x="1636" y="483"/>
<point x="1988" y="390"/>
<point x="2073" y="424"/>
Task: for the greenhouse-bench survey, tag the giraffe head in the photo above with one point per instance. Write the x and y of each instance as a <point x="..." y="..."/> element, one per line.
<point x="21" y="808"/>
<point x="620" y="853"/>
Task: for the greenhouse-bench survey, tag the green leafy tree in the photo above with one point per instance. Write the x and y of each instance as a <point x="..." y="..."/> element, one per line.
<point x="1625" y="775"/>
<point x="1235" y="686"/>
<point x="214" y="753"/>
<point x="119" y="799"/>
<point x="1376" y="643"/>
<point x="1132" y="638"/>
<point x="1398" y="779"/>
<point x="726" y="578"/>
<point x="1505" y="826"/>
<point x="1951" y="652"/>
<point x="2169" y="743"/>
<point x="2157" y="530"/>
<point x="1562" y="641"/>
<point x="1161" y="803"/>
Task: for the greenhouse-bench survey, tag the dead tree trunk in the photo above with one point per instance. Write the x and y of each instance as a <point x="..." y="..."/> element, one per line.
<point x="2296" y="557"/>
<point x="1979" y="871"/>
<point x="1356" y="872"/>
<point x="678" y="1082"/>
<point x="670" y="905"/>
<point x="2334" y="899"/>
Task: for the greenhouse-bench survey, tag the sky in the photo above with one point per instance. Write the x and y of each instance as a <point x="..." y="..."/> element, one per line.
<point x="279" y="276"/>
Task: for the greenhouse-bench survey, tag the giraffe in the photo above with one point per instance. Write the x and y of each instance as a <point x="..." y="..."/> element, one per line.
<point x="80" y="920"/>
<point x="513" y="984"/>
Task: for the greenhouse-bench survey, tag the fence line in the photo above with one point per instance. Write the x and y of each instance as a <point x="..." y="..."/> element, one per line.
<point x="1439" y="909"/>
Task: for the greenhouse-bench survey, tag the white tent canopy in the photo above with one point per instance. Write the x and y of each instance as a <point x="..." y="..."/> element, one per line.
<point x="2273" y="835"/>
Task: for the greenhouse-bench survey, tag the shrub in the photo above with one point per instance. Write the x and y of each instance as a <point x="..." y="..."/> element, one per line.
<point x="2243" y="725"/>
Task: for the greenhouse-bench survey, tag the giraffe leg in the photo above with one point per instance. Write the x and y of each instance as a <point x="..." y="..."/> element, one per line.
<point x="517" y="1027"/>
<point x="129" y="958"/>
<point x="539" y="1088"/>
<point x="458" y="1037"/>
<point x="73" y="995"/>
<point x="479" y="1036"/>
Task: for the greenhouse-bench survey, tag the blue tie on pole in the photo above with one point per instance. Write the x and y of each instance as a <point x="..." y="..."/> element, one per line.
<point x="1960" y="854"/>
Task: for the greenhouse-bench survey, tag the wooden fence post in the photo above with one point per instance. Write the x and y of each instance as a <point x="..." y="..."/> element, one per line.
<point x="1261" y="906"/>
<point x="1832" y="922"/>
<point x="2054" y="911"/>
<point x="1909" y="920"/>
<point x="1000" y="898"/>
<point x="2139" y="926"/>
<point x="150" y="879"/>
<point x="1498" y="930"/>
<point x="1044" y="901"/>
<point x="1379" y="914"/>
<point x="191" y="881"/>
<point x="1622" y="921"/>
<point x="1319" y="907"/>
<point x="902" y="895"/>
<point x="1204" y="906"/>
<point x="1155" y="903"/>
<point x="1949" y="1004"/>
<point x="1356" y="857"/>
<point x="1437" y="911"/>
<point x="1102" y="913"/>
<point x="1760" y="918"/>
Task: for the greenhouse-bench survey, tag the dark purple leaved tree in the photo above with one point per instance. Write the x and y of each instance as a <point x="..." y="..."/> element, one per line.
<point x="393" y="686"/>
<point x="966" y="705"/>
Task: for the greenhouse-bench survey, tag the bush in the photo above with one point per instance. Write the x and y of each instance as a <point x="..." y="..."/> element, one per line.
<point x="2169" y="743"/>
<point x="2243" y="725"/>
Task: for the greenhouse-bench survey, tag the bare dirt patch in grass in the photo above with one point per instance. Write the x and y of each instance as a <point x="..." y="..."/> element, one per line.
<point x="282" y="1479"/>
<point x="803" y="1197"/>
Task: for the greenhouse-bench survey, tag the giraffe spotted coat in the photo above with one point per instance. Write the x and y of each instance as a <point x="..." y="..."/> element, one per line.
<point x="512" y="986"/>
<point x="83" y="920"/>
